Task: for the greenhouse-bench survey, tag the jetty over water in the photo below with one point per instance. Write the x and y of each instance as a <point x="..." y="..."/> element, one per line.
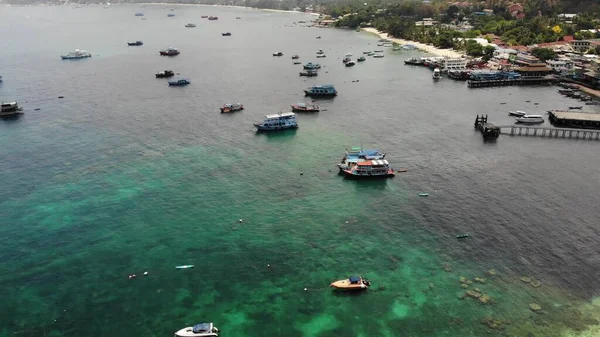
<point x="518" y="130"/>
<point x="506" y="82"/>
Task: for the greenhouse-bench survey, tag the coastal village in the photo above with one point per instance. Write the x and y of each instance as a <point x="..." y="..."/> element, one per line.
<point x="484" y="56"/>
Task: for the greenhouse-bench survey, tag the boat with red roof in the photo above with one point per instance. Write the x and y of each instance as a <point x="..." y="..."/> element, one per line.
<point x="376" y="168"/>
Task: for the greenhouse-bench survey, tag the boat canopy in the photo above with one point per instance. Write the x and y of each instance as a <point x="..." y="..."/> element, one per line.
<point x="373" y="163"/>
<point x="283" y="114"/>
<point x="354" y="279"/>
<point x="202" y="327"/>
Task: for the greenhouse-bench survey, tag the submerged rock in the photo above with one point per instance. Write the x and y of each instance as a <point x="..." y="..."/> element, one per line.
<point x="485" y="299"/>
<point x="535" y="307"/>
<point x="535" y="283"/>
<point x="492" y="272"/>
<point x="464" y="286"/>
<point x="473" y="293"/>
<point x="479" y="280"/>
<point x="526" y="279"/>
<point x="462" y="279"/>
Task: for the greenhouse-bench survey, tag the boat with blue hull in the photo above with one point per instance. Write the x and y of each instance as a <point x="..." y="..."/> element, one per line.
<point x="327" y="90"/>
<point x="278" y="122"/>
<point x="312" y="66"/>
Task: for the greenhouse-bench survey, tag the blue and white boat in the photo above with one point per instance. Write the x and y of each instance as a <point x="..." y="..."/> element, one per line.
<point x="356" y="155"/>
<point x="311" y="65"/>
<point x="139" y="14"/>
<point x="321" y="90"/>
<point x="276" y="122"/>
<point x="199" y="330"/>
<point x="179" y="81"/>
<point x="77" y="54"/>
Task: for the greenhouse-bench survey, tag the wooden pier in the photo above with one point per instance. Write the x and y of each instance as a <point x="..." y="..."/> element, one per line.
<point x="517" y="130"/>
<point x="502" y="83"/>
<point x="488" y="130"/>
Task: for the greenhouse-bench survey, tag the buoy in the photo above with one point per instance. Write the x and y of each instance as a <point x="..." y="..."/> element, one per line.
<point x="61" y="96"/>
<point x="268" y="265"/>
<point x="346" y="221"/>
<point x="133" y="276"/>
<point x="145" y="273"/>
<point x="241" y="220"/>
<point x="130" y="277"/>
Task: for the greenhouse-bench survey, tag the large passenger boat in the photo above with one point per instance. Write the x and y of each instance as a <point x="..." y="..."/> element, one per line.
<point x="276" y="122"/>
<point x="370" y="169"/>
<point x="77" y="54"/>
<point x="357" y="154"/>
<point x="321" y="90"/>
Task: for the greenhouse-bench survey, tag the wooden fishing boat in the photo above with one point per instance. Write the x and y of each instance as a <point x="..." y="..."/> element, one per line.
<point x="351" y="283"/>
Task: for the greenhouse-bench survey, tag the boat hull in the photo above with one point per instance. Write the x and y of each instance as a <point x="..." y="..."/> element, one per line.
<point x="345" y="285"/>
<point x="260" y="127"/>
<point x="225" y="110"/>
<point x="304" y="110"/>
<point x="347" y="173"/>
<point x="312" y="94"/>
<point x="74" y="57"/>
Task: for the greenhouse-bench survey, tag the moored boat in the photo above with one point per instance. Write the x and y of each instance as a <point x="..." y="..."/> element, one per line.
<point x="378" y="55"/>
<point x="378" y="168"/>
<point x="164" y="74"/>
<point x="414" y="61"/>
<point x="295" y="57"/>
<point x="312" y="66"/>
<point x="309" y="73"/>
<point x="437" y="74"/>
<point x="351" y="283"/>
<point x="320" y="52"/>
<point x="77" y="54"/>
<point x="9" y="109"/>
<point x="139" y="14"/>
<point x="357" y="154"/>
<point x="226" y="34"/>
<point x="321" y="90"/>
<point x="190" y="25"/>
<point x="179" y="82"/>
<point x="213" y="18"/>
<point x="305" y="107"/>
<point x="169" y="52"/>
<point x="204" y="16"/>
<point x="278" y="54"/>
<point x="199" y="330"/>
<point x="350" y="63"/>
<point x="170" y="15"/>
<point x="136" y="43"/>
<point x="517" y="113"/>
<point x="231" y="107"/>
<point x="530" y="119"/>
<point x="346" y="60"/>
<point x="321" y="56"/>
<point x="360" y="59"/>
<point x="277" y="122"/>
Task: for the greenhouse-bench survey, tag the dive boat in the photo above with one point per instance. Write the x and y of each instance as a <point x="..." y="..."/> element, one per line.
<point x="350" y="63"/>
<point x="9" y="109"/>
<point x="530" y="119"/>
<point x="169" y="52"/>
<point x="164" y="74"/>
<point x="190" y="25"/>
<point x="312" y="66"/>
<point x="360" y="59"/>
<point x="226" y="34"/>
<point x="321" y="90"/>
<point x="276" y="122"/>
<point x="517" y="113"/>
<point x="199" y="330"/>
<point x="437" y="74"/>
<point x="305" y="107"/>
<point x="77" y="54"/>
<point x="295" y="57"/>
<point x="278" y="54"/>
<point x="136" y="43"/>
<point x="357" y="154"/>
<point x="309" y="73"/>
<point x="232" y="107"/>
<point x="179" y="82"/>
<point x="378" y="168"/>
<point x="351" y="283"/>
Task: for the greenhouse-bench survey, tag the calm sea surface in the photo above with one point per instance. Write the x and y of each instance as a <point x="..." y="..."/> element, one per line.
<point x="125" y="175"/>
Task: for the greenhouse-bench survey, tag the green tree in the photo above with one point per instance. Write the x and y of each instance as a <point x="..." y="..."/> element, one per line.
<point x="473" y="48"/>
<point x="488" y="52"/>
<point x="543" y="54"/>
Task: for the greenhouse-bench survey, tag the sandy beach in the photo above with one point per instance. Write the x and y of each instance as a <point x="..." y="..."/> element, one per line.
<point x="426" y="48"/>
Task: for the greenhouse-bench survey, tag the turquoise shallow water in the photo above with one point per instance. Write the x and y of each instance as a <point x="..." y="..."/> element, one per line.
<point x="125" y="175"/>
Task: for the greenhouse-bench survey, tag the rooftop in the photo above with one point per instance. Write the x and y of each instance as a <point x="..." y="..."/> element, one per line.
<point x="580" y="116"/>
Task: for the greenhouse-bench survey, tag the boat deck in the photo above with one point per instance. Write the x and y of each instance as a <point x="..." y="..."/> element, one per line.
<point x="581" y="116"/>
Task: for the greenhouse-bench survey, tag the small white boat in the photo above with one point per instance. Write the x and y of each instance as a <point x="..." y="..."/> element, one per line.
<point x="517" y="113"/>
<point x="186" y="266"/>
<point x="530" y="119"/>
<point x="199" y="330"/>
<point x="348" y="55"/>
<point x="437" y="74"/>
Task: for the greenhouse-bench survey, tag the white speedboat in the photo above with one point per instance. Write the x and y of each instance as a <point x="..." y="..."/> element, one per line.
<point x="77" y="54"/>
<point x="517" y="113"/>
<point x="199" y="330"/>
<point x="530" y="119"/>
<point x="437" y="74"/>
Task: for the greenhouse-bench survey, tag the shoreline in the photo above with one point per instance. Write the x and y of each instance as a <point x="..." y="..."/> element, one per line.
<point x="226" y="6"/>
<point x="421" y="46"/>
